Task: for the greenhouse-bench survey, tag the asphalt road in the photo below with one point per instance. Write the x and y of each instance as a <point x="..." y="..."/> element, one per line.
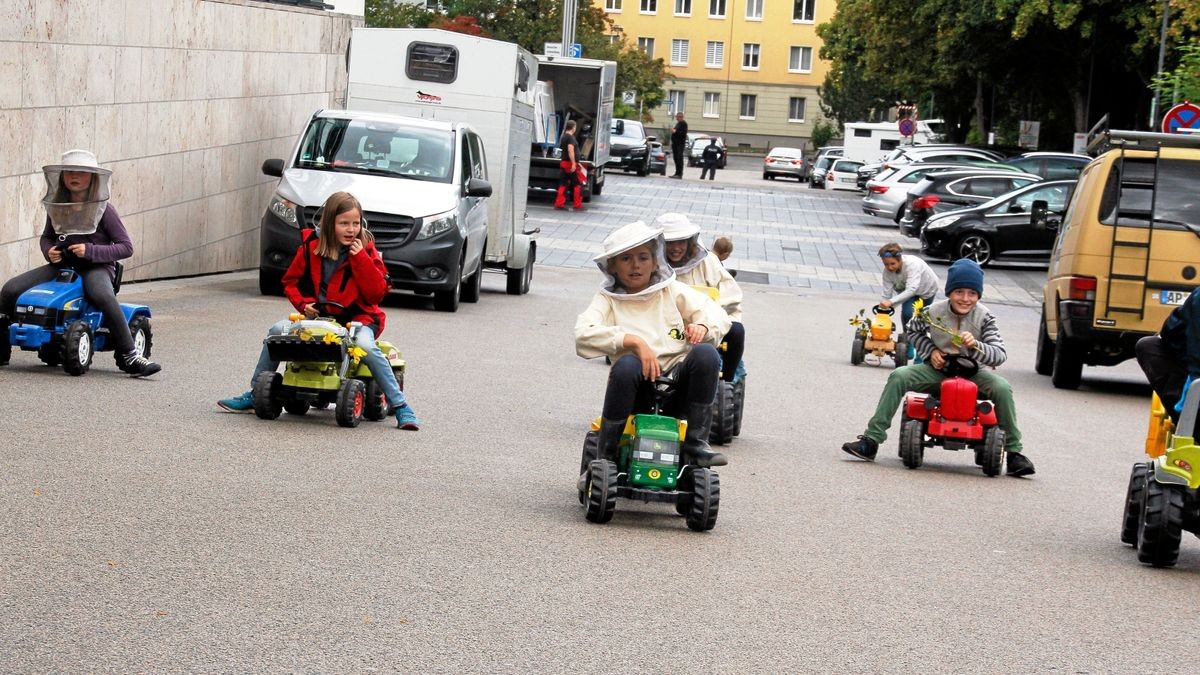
<point x="144" y="530"/>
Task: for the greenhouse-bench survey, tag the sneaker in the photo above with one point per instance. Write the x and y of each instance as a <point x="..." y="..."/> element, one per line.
<point x="237" y="404"/>
<point x="674" y="176"/>
<point x="863" y="448"/>
<point x="406" y="418"/>
<point x="1019" y="465"/>
<point x="138" y="366"/>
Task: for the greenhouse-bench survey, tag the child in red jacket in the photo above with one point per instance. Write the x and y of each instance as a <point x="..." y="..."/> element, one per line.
<point x="340" y="265"/>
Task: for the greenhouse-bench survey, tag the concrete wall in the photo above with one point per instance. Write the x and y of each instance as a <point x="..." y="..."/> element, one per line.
<point x="182" y="99"/>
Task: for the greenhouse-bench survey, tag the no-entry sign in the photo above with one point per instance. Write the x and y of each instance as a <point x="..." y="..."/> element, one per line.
<point x="1183" y="116"/>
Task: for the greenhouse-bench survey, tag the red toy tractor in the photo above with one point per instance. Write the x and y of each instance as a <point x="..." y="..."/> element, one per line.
<point x="955" y="419"/>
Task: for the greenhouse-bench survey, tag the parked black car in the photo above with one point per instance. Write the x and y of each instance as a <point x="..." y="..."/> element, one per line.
<point x="629" y="147"/>
<point x="953" y="190"/>
<point x="658" y="159"/>
<point x="999" y="227"/>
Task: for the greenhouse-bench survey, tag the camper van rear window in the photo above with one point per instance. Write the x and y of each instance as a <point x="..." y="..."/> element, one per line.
<point x="431" y="62"/>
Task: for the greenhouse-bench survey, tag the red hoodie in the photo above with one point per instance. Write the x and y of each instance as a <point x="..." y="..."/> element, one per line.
<point x="359" y="283"/>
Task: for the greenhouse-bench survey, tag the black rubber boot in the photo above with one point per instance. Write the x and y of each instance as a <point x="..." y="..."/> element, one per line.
<point x="695" y="443"/>
<point x="610" y="438"/>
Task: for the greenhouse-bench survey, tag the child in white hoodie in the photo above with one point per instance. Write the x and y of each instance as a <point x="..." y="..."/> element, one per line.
<point x="649" y="323"/>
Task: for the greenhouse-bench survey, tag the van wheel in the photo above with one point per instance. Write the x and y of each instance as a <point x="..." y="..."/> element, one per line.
<point x="447" y="301"/>
<point x="588" y="189"/>
<point x="269" y="283"/>
<point x="1044" y="362"/>
<point x="474" y="283"/>
<point x="1067" y="368"/>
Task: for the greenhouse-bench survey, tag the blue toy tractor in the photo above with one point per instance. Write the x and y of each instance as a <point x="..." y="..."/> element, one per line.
<point x="56" y="320"/>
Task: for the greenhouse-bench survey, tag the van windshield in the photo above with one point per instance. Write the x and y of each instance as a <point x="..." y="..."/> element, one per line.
<point x="358" y="146"/>
<point x="1176" y="201"/>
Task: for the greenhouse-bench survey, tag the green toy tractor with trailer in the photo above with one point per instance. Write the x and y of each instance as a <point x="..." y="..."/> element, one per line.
<point x="323" y="367"/>
<point x="649" y="468"/>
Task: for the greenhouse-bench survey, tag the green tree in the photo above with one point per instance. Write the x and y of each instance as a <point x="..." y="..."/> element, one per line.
<point x="1182" y="83"/>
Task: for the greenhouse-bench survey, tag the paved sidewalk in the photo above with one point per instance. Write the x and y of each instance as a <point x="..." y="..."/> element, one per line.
<point x="784" y="233"/>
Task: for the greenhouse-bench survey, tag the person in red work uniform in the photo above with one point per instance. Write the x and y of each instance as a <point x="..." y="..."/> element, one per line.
<point x="572" y="171"/>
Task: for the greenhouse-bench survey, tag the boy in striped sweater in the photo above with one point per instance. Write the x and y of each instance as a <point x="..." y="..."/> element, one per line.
<point x="976" y="327"/>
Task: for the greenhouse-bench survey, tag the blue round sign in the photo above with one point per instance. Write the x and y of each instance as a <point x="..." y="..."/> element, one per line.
<point x="907" y="127"/>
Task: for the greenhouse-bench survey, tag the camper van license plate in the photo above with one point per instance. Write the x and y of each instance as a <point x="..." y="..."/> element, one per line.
<point x="1173" y="297"/>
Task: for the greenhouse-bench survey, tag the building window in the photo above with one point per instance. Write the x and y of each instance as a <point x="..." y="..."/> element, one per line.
<point x="679" y="52"/>
<point x="714" y="55"/>
<point x="649" y="6"/>
<point x="712" y="104"/>
<point x="612" y="5"/>
<point x="804" y="10"/>
<point x="749" y="56"/>
<point x="678" y="101"/>
<point x="749" y="104"/>
<point x="646" y="45"/>
<point x="614" y="39"/>
<point x="716" y="9"/>
<point x="754" y="9"/>
<point x="683" y="7"/>
<point x="796" y="107"/>
<point x="800" y="60"/>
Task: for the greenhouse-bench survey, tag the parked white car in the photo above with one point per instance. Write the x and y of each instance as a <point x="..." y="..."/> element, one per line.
<point x="842" y="175"/>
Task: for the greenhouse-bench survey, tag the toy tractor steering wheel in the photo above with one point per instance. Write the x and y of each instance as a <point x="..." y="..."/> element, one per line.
<point x="960" y="365"/>
<point x="879" y="309"/>
<point x="328" y="308"/>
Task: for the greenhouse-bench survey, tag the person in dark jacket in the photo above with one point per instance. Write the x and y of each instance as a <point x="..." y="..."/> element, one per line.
<point x="83" y="231"/>
<point x="1172" y="356"/>
<point x="710" y="157"/>
<point x="679" y="143"/>
<point x="342" y="265"/>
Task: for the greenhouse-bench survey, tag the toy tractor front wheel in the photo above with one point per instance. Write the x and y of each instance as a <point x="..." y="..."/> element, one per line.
<point x="1133" y="502"/>
<point x="601" y="491"/>
<point x="739" y="404"/>
<point x="352" y="398"/>
<point x="1160" y="525"/>
<point x="706" y="499"/>
<point x="992" y="454"/>
<point x="721" y="432"/>
<point x="900" y="356"/>
<point x="143" y="336"/>
<point x="267" y="395"/>
<point x="591" y="451"/>
<point x="77" y="348"/>
<point x="857" y="351"/>
<point x="376" y="406"/>
<point x="912" y="444"/>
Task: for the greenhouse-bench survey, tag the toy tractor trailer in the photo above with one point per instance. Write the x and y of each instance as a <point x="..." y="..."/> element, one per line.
<point x="453" y="77"/>
<point x="572" y="89"/>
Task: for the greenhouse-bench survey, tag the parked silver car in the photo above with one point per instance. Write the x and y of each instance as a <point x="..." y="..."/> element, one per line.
<point x="888" y="191"/>
<point x="784" y="162"/>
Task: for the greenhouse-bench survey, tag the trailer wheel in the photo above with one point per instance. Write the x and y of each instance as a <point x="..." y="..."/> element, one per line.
<point x="519" y="279"/>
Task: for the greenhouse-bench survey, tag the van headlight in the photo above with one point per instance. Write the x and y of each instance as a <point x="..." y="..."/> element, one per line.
<point x="284" y="210"/>
<point x="435" y="225"/>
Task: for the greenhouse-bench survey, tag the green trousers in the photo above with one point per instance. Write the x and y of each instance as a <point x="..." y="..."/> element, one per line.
<point x="925" y="379"/>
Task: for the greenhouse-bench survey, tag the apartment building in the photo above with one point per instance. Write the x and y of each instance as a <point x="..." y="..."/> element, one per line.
<point x="746" y="70"/>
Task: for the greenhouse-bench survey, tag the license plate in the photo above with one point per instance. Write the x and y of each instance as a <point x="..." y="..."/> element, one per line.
<point x="1173" y="297"/>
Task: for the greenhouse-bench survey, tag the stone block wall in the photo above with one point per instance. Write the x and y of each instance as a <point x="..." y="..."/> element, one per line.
<point x="182" y="99"/>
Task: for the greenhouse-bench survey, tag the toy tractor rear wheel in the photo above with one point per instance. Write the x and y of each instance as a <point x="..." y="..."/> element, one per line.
<point x="143" y="336"/>
<point x="721" y="432"/>
<point x="591" y="451"/>
<point x="78" y="348"/>
<point x="900" y="356"/>
<point x="993" y="451"/>
<point x="352" y="398"/>
<point x="1133" y="502"/>
<point x="376" y="406"/>
<point x="1160" y="524"/>
<point x="601" y="490"/>
<point x="706" y="500"/>
<point x="857" y="351"/>
<point x="296" y="407"/>
<point x="912" y="444"/>
<point x="267" y="395"/>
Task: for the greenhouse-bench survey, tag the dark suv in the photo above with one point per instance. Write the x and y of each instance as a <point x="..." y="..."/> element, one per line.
<point x="950" y="190"/>
<point x="629" y="147"/>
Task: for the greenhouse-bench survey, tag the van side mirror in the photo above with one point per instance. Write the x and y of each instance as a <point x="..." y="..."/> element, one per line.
<point x="273" y="167"/>
<point x="478" y="187"/>
<point x="620" y="127"/>
<point x="1038" y="214"/>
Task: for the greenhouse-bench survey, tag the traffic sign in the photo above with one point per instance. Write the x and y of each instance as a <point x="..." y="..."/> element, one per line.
<point x="907" y="127"/>
<point x="576" y="51"/>
<point x="1186" y="115"/>
<point x="552" y="49"/>
<point x="629" y="97"/>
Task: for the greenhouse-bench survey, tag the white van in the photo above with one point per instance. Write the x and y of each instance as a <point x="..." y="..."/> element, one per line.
<point x="423" y="185"/>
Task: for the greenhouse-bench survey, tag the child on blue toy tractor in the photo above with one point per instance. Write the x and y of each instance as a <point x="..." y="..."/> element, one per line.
<point x="958" y="324"/>
<point x="83" y="232"/>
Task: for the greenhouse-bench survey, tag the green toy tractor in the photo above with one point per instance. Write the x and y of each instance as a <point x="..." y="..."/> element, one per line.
<point x="649" y="468"/>
<point x="323" y="367"/>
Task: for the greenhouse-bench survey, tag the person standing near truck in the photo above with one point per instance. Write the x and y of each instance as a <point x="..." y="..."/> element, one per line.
<point x="571" y="169"/>
<point x="710" y="158"/>
<point x="679" y="143"/>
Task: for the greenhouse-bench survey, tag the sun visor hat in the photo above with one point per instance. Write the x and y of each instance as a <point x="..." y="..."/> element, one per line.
<point x="69" y="217"/>
<point x="676" y="226"/>
<point x="627" y="237"/>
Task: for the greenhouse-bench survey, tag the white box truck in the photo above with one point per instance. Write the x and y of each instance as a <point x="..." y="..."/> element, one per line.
<point x="572" y="89"/>
<point x="452" y="77"/>
<point x="870" y="141"/>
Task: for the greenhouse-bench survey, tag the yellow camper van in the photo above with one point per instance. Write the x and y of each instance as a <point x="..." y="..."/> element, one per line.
<point x="1127" y="251"/>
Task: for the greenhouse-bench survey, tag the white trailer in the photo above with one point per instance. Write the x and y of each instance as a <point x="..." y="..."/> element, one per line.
<point x="869" y="142"/>
<point x="572" y="89"/>
<point x="442" y="75"/>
